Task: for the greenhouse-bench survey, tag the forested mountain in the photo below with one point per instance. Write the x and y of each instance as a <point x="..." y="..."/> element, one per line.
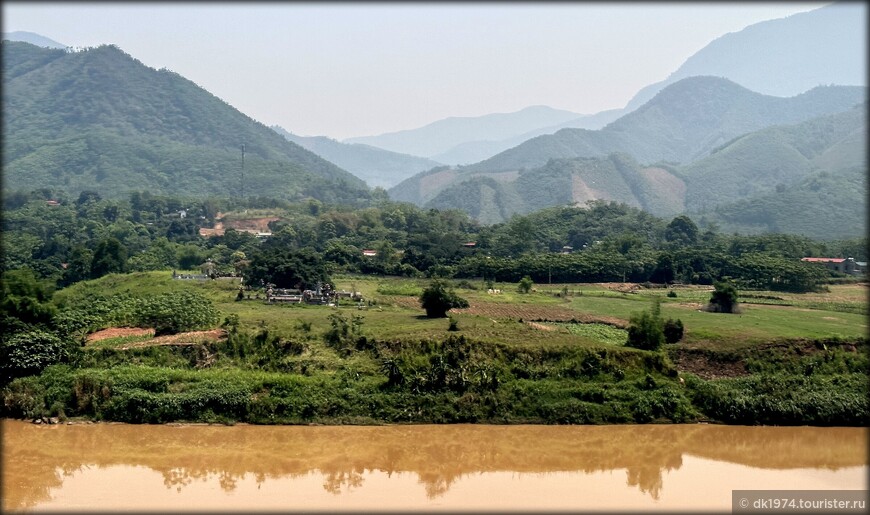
<point x="823" y="205"/>
<point x="789" y="174"/>
<point x="101" y="120"/>
<point x="441" y="136"/>
<point x="493" y="198"/>
<point x="376" y="166"/>
<point x="32" y="38"/>
<point x="786" y="56"/>
<point x="765" y="161"/>
<point x="684" y="122"/>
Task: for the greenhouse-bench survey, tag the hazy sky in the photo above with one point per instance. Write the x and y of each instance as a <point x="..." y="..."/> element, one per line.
<point x="346" y="70"/>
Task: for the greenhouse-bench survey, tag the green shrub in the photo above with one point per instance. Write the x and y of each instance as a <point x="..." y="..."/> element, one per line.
<point x="525" y="285"/>
<point x="673" y="330"/>
<point x="438" y="298"/>
<point x="724" y="298"/>
<point x="646" y="329"/>
<point x="170" y="313"/>
<point x="28" y="353"/>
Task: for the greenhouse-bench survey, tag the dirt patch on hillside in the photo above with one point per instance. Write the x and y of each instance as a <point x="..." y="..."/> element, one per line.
<point x="431" y="184"/>
<point x="667" y="186"/>
<point x="621" y="287"/>
<point x="581" y="192"/>
<point x="119" y="332"/>
<point x="252" y="224"/>
<point x="499" y="176"/>
<point x="188" y="338"/>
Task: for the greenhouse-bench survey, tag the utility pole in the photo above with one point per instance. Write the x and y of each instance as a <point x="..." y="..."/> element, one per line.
<point x="243" y="170"/>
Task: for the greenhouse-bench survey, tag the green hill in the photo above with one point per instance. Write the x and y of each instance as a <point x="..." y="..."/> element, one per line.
<point x="495" y="197"/>
<point x="765" y="161"/>
<point x="823" y="206"/>
<point x="767" y="169"/>
<point x="101" y="120"/>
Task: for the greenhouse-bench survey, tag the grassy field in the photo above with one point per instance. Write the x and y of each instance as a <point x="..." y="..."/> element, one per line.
<point x="391" y="310"/>
<point x="554" y="355"/>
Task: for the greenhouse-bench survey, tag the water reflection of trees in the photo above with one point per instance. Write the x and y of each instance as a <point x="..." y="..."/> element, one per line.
<point x="334" y="480"/>
<point x="37" y="457"/>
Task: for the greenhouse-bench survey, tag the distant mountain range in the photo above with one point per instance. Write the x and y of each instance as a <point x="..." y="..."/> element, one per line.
<point x="474" y="151"/>
<point x="33" y="39"/>
<point x="683" y="122"/>
<point x="101" y="120"/>
<point x="443" y="135"/>
<point x="758" y="168"/>
<point x="377" y="167"/>
<point x="784" y="57"/>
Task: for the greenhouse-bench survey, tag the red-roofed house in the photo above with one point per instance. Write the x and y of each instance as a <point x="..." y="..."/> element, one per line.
<point x="842" y="265"/>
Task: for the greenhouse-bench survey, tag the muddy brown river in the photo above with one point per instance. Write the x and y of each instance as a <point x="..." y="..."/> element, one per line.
<point x="112" y="467"/>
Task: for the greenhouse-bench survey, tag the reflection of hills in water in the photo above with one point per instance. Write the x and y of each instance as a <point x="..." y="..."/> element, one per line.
<point x="35" y="458"/>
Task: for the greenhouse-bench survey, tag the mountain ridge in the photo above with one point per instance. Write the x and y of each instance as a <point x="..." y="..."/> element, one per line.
<point x="785" y="56"/>
<point x="99" y="118"/>
<point x="682" y="122"/>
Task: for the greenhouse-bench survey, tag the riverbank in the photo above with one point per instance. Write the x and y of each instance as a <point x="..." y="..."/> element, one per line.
<point x="800" y="361"/>
<point x="456" y="380"/>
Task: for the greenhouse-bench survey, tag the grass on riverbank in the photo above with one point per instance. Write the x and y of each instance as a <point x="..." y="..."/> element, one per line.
<point x="278" y="365"/>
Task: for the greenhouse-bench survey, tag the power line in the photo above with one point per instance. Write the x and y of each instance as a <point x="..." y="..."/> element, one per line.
<point x="243" y="170"/>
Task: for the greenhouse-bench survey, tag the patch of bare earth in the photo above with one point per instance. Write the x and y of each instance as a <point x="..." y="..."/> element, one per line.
<point x="581" y="192"/>
<point x="540" y="327"/>
<point x="667" y="185"/>
<point x="188" y="338"/>
<point x="701" y="364"/>
<point x="252" y="224"/>
<point x="431" y="184"/>
<point x="119" y="332"/>
<point x="621" y="287"/>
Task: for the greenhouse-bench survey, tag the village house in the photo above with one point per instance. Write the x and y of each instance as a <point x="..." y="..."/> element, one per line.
<point x="842" y="265"/>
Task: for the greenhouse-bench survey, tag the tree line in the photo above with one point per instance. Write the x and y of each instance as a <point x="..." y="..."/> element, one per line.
<point x="64" y="240"/>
